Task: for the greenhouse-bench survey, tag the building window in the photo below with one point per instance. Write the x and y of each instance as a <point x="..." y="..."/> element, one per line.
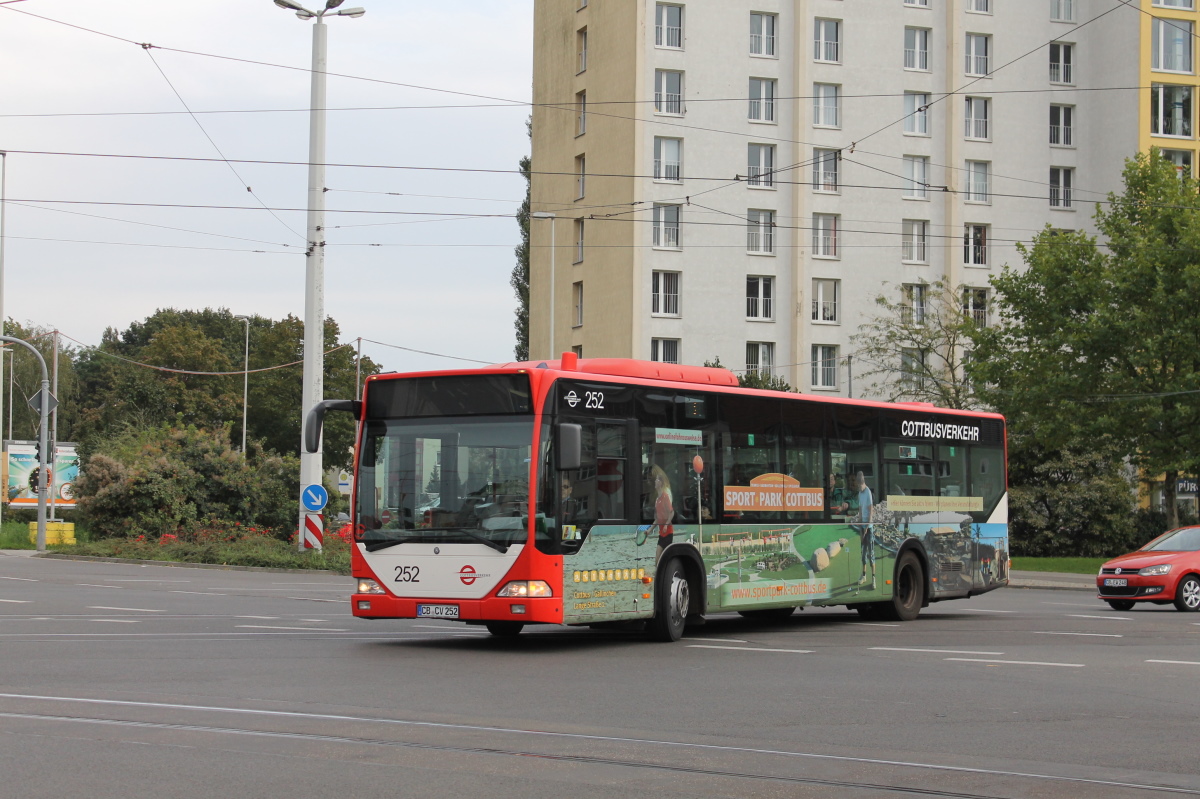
<point x="824" y="366"/>
<point x="666" y="226"/>
<point x="915" y="241"/>
<point x="581" y="113"/>
<point x="577" y="293"/>
<point x="916" y="113"/>
<point x="912" y="368"/>
<point x="921" y="3"/>
<point x="759" y="298"/>
<point x="668" y="92"/>
<point x="668" y="159"/>
<point x="975" y="245"/>
<point x="1171" y="110"/>
<point x="1060" y="186"/>
<point x="580" y="176"/>
<point x="762" y="100"/>
<point x="916" y="175"/>
<point x="980" y="6"/>
<point x="912" y="306"/>
<point x="762" y="34"/>
<point x="581" y="45"/>
<point x="977" y="182"/>
<point x="825" y="235"/>
<point x="578" y="350"/>
<point x="825" y="170"/>
<point x="1182" y="159"/>
<point x="1062" y="121"/>
<point x="760" y="231"/>
<point x="1064" y="10"/>
<point x="1170" y="45"/>
<point x="978" y="54"/>
<point x="668" y="26"/>
<point x="761" y="165"/>
<point x="578" y="241"/>
<point x="664" y="293"/>
<point x="1188" y="4"/>
<point x="827" y="41"/>
<point x="824" y="300"/>
<point x="975" y="306"/>
<point x="826" y="106"/>
<point x="977" y="116"/>
<point x="760" y="358"/>
<point x="664" y="350"/>
<point x="1060" y="62"/>
<point x="916" y="49"/>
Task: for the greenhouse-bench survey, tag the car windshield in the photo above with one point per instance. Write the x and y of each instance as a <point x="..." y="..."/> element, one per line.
<point x="457" y="479"/>
<point x="1186" y="539"/>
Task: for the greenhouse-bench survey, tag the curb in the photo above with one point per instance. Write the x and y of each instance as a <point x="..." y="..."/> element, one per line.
<point x="179" y="565"/>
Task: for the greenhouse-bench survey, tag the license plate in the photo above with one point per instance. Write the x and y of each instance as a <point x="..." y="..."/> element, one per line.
<point x="1115" y="582"/>
<point x="437" y="611"/>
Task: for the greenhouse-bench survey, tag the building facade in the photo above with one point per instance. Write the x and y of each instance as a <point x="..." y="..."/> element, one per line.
<point x="740" y="179"/>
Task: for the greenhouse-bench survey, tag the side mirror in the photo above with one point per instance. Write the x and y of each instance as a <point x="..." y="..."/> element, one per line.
<point x="316" y="420"/>
<point x="568" y="446"/>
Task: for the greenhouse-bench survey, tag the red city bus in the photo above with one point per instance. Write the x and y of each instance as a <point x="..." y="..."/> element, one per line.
<point x="611" y="491"/>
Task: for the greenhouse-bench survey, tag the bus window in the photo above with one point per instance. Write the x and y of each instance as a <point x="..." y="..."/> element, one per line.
<point x="987" y="477"/>
<point x="675" y="430"/>
<point x="908" y="470"/>
<point x="752" y="463"/>
<point x="952" y="470"/>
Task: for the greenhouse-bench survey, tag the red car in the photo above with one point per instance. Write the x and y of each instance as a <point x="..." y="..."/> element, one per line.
<point x="1165" y="570"/>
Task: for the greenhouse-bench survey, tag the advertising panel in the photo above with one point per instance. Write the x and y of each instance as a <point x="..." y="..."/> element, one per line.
<point x="21" y="475"/>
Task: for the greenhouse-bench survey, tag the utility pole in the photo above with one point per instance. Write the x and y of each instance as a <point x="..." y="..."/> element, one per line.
<point x="53" y="458"/>
<point x="44" y="413"/>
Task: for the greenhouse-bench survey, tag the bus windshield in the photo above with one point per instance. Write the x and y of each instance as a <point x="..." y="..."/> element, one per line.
<point x="447" y="480"/>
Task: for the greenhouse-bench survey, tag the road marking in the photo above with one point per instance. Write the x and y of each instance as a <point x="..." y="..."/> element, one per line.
<point x="263" y="618"/>
<point x="143" y="580"/>
<point x="140" y="610"/>
<point x="1176" y="662"/>
<point x="1081" y="616"/>
<point x="22" y="579"/>
<point x="752" y="649"/>
<point x="872" y="624"/>
<point x="935" y="651"/>
<point x="984" y="610"/>
<point x="1086" y="635"/>
<point x="90" y="585"/>
<point x="120" y="621"/>
<point x="1071" y="604"/>
<point x="725" y="640"/>
<point x="17" y="601"/>
<point x="317" y="621"/>
<point x="311" y="599"/>
<point x="302" y="629"/>
<point x="1019" y="662"/>
<point x="203" y="593"/>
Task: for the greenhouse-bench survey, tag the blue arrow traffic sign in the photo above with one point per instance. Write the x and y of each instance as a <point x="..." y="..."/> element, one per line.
<point x="314" y="497"/>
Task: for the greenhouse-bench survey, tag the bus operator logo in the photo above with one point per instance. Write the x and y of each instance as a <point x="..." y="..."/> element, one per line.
<point x="468" y="576"/>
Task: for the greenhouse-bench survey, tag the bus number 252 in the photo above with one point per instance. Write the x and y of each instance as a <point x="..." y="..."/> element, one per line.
<point x="593" y="399"/>
<point x="408" y="574"/>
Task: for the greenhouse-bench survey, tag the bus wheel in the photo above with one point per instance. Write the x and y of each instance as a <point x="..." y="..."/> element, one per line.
<point x="505" y="629"/>
<point x="767" y="614"/>
<point x="908" y="590"/>
<point x="671" y="599"/>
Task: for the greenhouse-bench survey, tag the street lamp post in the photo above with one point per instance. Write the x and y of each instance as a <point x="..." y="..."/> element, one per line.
<point x="551" y="217"/>
<point x="3" y="219"/>
<point x="245" y="381"/>
<point x="314" y="274"/>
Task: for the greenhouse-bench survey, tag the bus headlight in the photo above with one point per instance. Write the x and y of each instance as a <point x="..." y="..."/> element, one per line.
<point x="526" y="588"/>
<point x="368" y="587"/>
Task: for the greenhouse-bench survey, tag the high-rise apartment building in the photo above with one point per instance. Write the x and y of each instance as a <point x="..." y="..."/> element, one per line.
<point x="741" y="178"/>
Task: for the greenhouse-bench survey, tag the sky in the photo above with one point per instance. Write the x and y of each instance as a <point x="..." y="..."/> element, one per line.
<point x="92" y="241"/>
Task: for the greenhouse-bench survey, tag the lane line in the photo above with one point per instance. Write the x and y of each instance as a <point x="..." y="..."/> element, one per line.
<point x="17" y="601"/>
<point x="303" y="629"/>
<point x="214" y="636"/>
<point x="1176" y="662"/>
<point x="872" y="624"/>
<point x="1071" y="604"/>
<point x="752" y="649"/>
<point x="262" y="618"/>
<point x="935" y="651"/>
<point x="90" y="585"/>
<point x="140" y="610"/>
<point x="939" y="767"/>
<point x="1019" y="662"/>
<point x="1107" y="618"/>
<point x="203" y="593"/>
<point x="310" y="599"/>
<point x="22" y="579"/>
<point x="983" y="610"/>
<point x="725" y="640"/>
<point x="143" y="580"/>
<point x="1085" y="635"/>
<point x="120" y="621"/>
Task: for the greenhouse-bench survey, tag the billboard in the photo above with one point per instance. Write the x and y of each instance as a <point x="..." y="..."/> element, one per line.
<point x="20" y="475"/>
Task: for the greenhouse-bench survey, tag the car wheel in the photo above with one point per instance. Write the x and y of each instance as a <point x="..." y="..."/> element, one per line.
<point x="505" y="629"/>
<point x="1187" y="594"/>
<point x="908" y="590"/>
<point x="1120" y="604"/>
<point x="767" y="614"/>
<point x="672" y="599"/>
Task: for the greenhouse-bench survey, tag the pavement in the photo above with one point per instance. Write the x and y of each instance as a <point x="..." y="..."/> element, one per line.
<point x="1017" y="579"/>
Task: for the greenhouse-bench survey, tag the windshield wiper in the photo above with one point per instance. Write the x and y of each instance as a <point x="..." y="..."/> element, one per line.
<point x="496" y="545"/>
<point x="384" y="543"/>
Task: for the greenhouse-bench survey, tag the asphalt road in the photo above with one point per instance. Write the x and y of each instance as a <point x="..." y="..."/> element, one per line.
<point x="120" y="680"/>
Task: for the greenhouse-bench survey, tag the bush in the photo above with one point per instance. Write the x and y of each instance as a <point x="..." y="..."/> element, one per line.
<point x="177" y="480"/>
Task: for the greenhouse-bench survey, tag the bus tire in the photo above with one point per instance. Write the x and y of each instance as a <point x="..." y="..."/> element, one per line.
<point x="908" y="590"/>
<point x="672" y="597"/>
<point x="505" y="629"/>
<point x="767" y="614"/>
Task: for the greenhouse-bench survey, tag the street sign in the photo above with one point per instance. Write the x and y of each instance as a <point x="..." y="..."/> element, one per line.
<point x="1186" y="485"/>
<point x="314" y="498"/>
<point x="35" y="401"/>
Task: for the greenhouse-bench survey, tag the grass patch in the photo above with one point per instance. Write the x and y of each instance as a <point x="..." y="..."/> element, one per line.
<point x="1061" y="565"/>
<point x="227" y="546"/>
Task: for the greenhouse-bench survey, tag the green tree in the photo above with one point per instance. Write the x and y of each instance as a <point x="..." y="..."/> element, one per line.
<point x="26" y="376"/>
<point x="1099" y="346"/>
<point x="916" y="346"/>
<point x="520" y="273"/>
<point x="755" y="379"/>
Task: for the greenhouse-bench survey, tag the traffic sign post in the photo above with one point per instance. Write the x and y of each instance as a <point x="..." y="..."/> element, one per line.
<point x="315" y="498"/>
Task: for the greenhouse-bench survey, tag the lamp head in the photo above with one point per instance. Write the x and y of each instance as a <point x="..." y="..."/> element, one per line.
<point x="352" y="12"/>
<point x="290" y="5"/>
<point x="332" y="4"/>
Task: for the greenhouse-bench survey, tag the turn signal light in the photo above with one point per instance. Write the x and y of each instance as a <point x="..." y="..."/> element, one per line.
<point x="526" y="588"/>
